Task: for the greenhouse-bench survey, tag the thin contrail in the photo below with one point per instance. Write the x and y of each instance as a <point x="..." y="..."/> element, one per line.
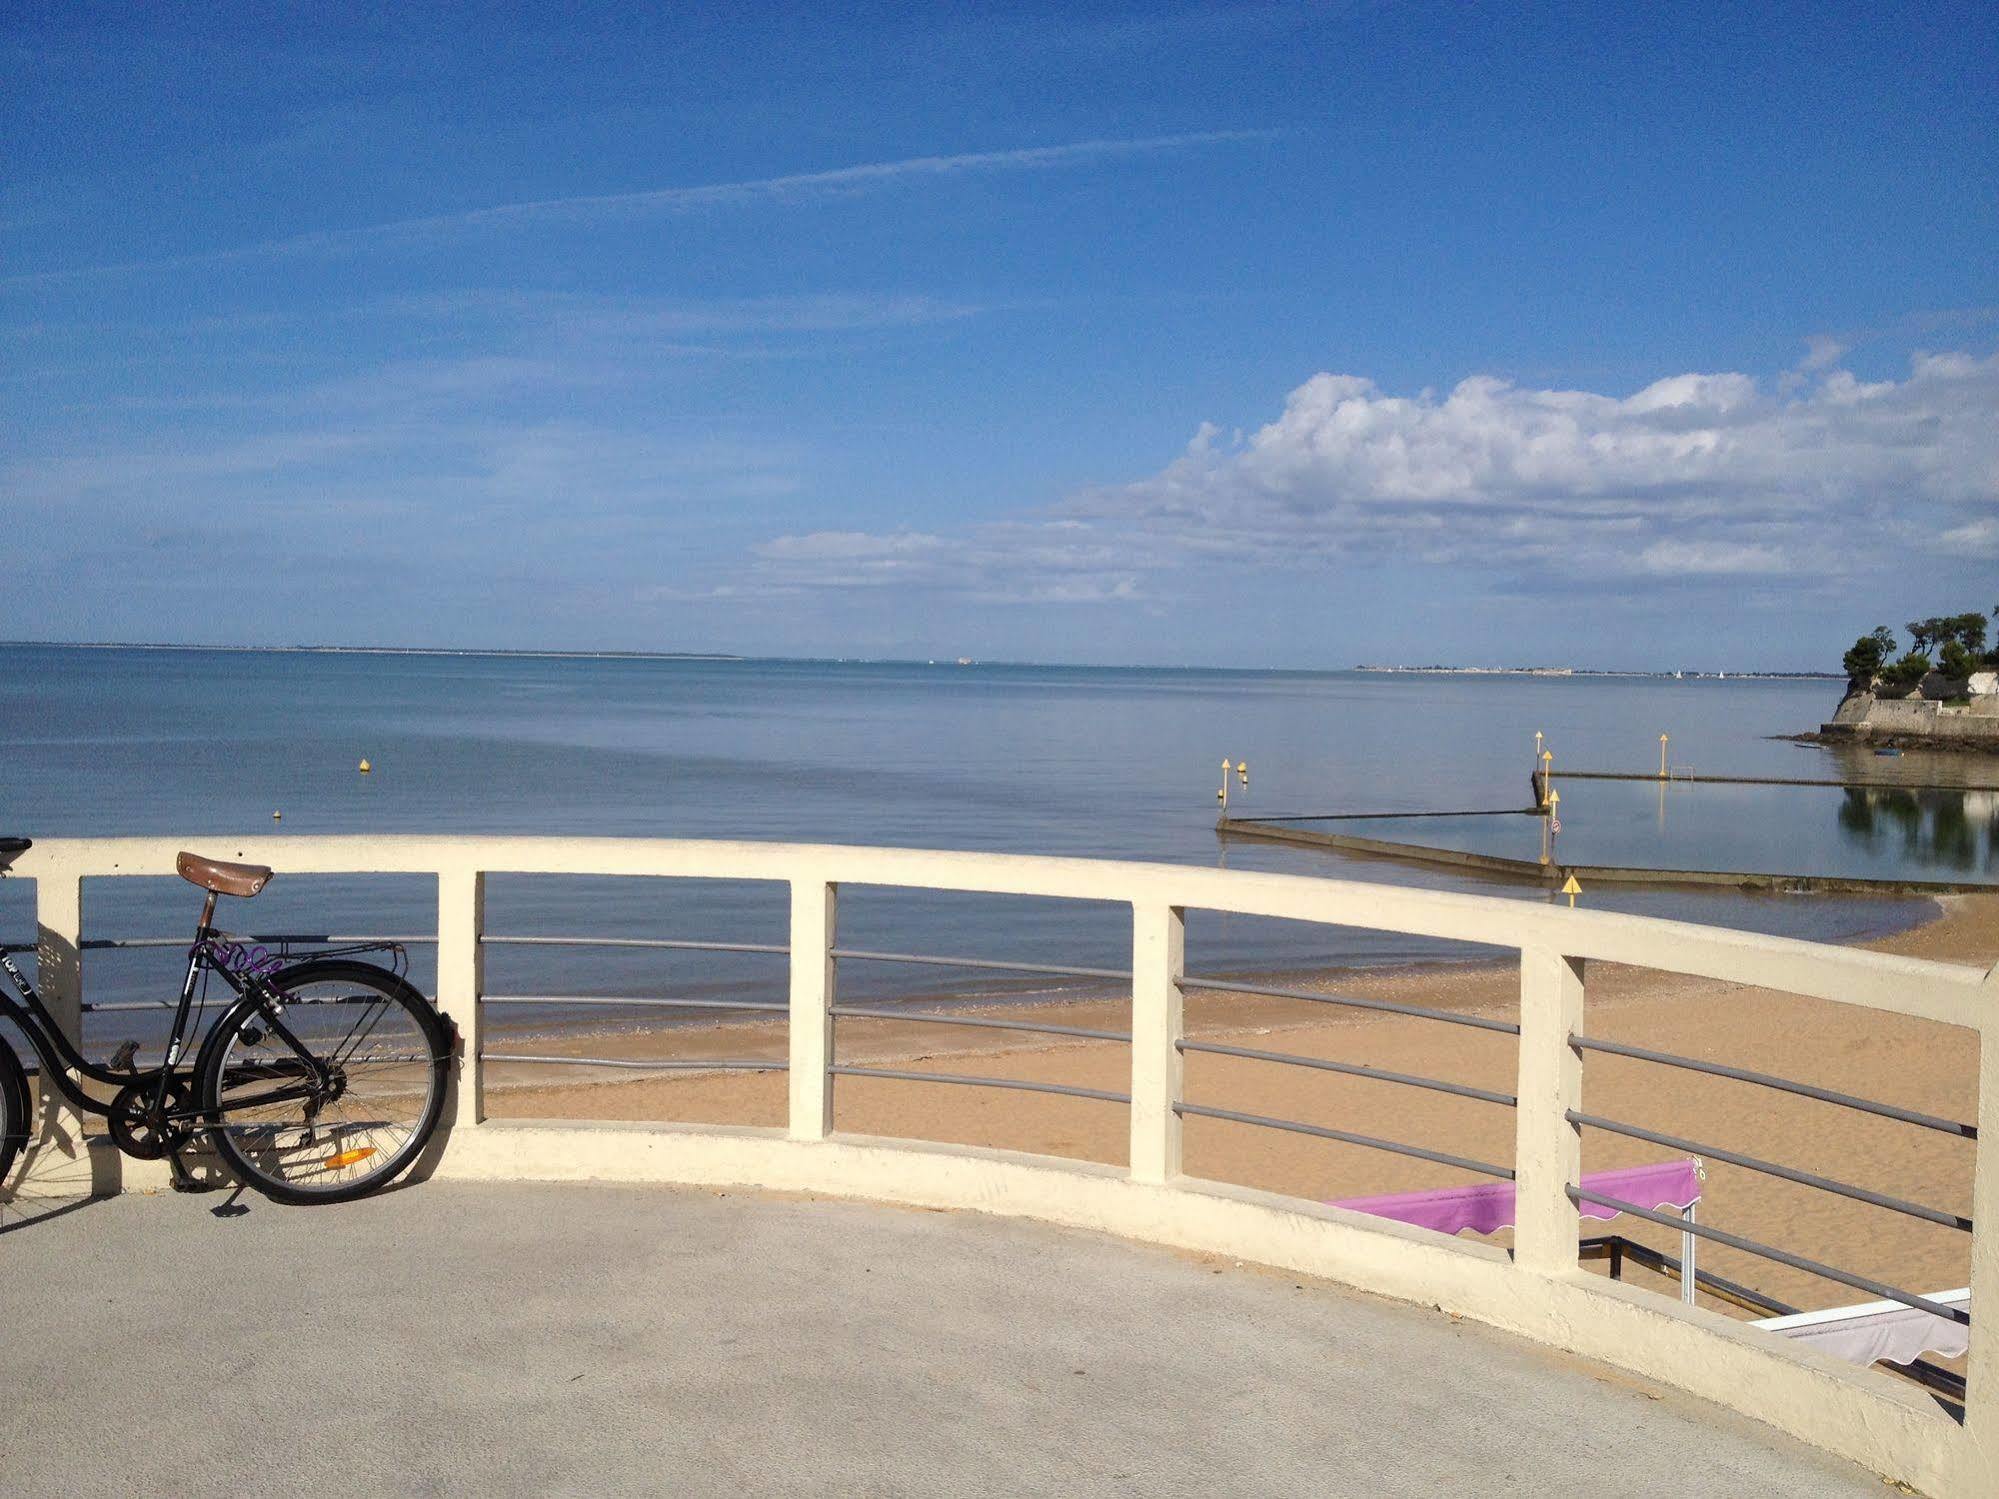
<point x="669" y="199"/>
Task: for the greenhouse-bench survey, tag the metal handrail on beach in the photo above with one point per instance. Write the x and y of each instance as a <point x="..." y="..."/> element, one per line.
<point x="1782" y="1084"/>
<point x="1351" y="1069"/>
<point x="1348" y="1137"/>
<point x="646" y="1064"/>
<point x="899" y="1074"/>
<point x="1773" y="1168"/>
<point x="1060" y="970"/>
<point x="985" y="1022"/>
<point x="666" y="944"/>
<point x="1217" y="984"/>
<point x="647" y="1002"/>
<point x="1781" y="1256"/>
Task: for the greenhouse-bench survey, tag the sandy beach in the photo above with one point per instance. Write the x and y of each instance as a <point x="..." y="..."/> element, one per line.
<point x="1912" y="1063"/>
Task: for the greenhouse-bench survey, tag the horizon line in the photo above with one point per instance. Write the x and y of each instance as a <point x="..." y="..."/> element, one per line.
<point x="610" y="653"/>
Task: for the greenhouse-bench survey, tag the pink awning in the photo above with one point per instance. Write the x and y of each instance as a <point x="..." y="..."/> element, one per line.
<point x="1488" y="1206"/>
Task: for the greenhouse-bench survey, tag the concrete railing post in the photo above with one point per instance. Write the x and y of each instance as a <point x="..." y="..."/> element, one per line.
<point x="1981" y="1373"/>
<point x="59" y="978"/>
<point x="1158" y="953"/>
<point x="59" y="948"/>
<point x="461" y="979"/>
<point x="1547" y="1148"/>
<point x="814" y="920"/>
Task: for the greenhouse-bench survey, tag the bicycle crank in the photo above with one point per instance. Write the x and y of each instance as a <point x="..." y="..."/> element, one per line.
<point x="139" y="1135"/>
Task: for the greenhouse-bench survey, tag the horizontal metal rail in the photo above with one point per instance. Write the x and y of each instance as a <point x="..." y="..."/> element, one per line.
<point x="1772" y="1168"/>
<point x="775" y="1007"/>
<point x="1387" y="816"/>
<point x="1351" y="1069"/>
<point x="102" y="944"/>
<point x="1230" y="986"/>
<point x="863" y="1012"/>
<point x="99" y="944"/>
<point x="668" y="944"/>
<point x="1060" y="970"/>
<point x="1780" y="1256"/>
<point x="1616" y="1248"/>
<point x="1782" y="1084"/>
<point x="1345" y="1137"/>
<point x="719" y="1064"/>
<point x="1062" y="1090"/>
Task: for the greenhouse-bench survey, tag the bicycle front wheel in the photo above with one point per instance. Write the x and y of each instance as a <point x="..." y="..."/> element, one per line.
<point x="327" y="1086"/>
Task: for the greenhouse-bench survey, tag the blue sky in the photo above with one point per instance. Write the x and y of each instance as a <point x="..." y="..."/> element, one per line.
<point x="1265" y="335"/>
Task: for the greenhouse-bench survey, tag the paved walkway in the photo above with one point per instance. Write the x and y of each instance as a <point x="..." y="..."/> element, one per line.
<point x="456" y="1339"/>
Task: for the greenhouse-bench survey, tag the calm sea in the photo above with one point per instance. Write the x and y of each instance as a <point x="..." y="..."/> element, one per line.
<point x="1087" y="761"/>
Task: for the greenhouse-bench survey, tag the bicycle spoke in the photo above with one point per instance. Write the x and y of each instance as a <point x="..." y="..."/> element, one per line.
<point x="333" y="1093"/>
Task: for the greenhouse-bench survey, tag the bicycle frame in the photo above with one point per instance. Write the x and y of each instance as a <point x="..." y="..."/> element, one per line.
<point x="65" y="1065"/>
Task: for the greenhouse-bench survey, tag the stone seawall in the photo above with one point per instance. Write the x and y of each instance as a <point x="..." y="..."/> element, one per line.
<point x="1862" y="716"/>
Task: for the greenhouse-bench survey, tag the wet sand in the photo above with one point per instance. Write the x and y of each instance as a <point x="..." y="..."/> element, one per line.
<point x="1916" y="1064"/>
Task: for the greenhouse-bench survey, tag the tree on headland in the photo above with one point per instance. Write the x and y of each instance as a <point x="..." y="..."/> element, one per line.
<point x="1956" y="661"/>
<point x="1940" y="630"/>
<point x="1864" y="661"/>
<point x="1908" y="671"/>
<point x="1953" y="644"/>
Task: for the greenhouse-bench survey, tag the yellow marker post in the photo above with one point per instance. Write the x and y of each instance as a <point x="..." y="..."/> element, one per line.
<point x="1662" y="757"/>
<point x="364" y="767"/>
<point x="1571" y="889"/>
<point x="1547" y="775"/>
<point x="1223" y="795"/>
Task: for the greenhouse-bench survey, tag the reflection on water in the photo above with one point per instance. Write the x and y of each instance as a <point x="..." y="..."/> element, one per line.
<point x="1912" y="767"/>
<point x="1953" y="830"/>
<point x="1918" y="834"/>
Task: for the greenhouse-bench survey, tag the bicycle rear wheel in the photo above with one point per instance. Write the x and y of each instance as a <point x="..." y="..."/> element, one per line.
<point x="329" y="1087"/>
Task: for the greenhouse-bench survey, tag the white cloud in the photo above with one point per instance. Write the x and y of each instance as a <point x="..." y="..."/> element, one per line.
<point x="1821" y="351"/>
<point x="1695" y="476"/>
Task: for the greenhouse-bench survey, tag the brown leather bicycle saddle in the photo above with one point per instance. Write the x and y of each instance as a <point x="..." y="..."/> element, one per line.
<point x="223" y="879"/>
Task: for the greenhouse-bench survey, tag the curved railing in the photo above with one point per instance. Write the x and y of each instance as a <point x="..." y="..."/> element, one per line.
<point x="1537" y="1289"/>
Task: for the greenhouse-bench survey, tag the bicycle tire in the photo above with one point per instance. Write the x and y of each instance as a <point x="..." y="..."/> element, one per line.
<point x="297" y="1140"/>
<point x="13" y="1110"/>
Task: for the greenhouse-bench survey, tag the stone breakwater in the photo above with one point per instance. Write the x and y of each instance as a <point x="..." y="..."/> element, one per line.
<point x="1914" y="721"/>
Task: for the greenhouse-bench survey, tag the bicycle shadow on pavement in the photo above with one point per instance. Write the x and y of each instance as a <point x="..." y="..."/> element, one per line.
<point x="63" y="1168"/>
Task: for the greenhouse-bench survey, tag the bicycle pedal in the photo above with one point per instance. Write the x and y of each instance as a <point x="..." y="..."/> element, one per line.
<point x="183" y="1180"/>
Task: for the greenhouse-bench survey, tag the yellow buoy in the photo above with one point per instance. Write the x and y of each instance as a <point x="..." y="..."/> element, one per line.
<point x="366" y="767"/>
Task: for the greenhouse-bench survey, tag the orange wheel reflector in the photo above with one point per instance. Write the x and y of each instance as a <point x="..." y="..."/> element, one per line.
<point x="349" y="1157"/>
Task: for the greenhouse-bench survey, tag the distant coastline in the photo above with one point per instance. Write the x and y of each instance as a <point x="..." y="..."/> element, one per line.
<point x="1585" y="671"/>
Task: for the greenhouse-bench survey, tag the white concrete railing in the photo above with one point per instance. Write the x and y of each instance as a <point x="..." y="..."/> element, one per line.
<point x="1538" y="1291"/>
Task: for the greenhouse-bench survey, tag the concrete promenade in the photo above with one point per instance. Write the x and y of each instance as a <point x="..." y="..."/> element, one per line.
<point x="541" y="1339"/>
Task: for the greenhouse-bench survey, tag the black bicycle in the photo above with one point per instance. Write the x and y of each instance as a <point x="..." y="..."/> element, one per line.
<point x="321" y="1082"/>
